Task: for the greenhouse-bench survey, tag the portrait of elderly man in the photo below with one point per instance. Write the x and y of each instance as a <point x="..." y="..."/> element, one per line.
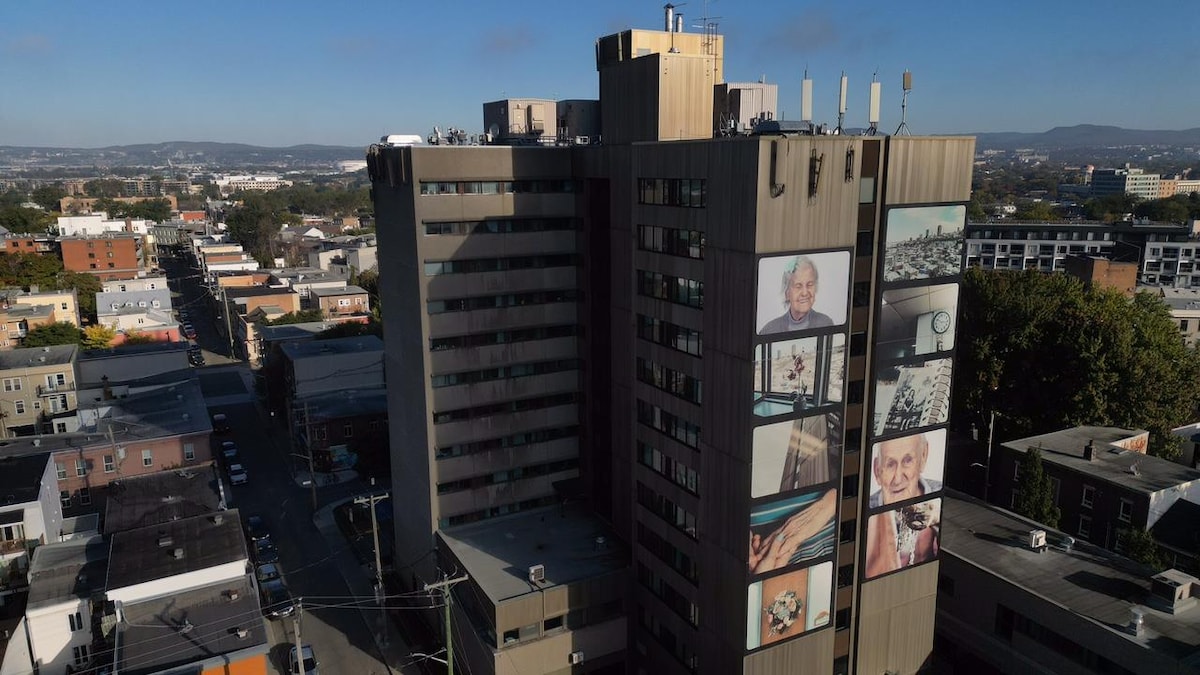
<point x="798" y="288"/>
<point x="898" y="466"/>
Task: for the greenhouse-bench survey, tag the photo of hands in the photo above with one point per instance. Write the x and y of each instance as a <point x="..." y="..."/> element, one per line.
<point x="903" y="537"/>
<point x="784" y="606"/>
<point x="792" y="530"/>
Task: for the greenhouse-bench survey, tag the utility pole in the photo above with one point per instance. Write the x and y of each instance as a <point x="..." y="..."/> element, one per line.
<point x="312" y="473"/>
<point x="987" y="468"/>
<point x="372" y="500"/>
<point x="299" y="645"/>
<point x="225" y="311"/>
<point x="445" y="586"/>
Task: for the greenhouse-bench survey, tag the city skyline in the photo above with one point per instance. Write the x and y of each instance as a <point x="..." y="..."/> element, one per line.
<point x="346" y="75"/>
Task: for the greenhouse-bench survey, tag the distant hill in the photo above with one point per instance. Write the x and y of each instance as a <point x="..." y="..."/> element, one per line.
<point x="182" y="152"/>
<point x="1086" y="135"/>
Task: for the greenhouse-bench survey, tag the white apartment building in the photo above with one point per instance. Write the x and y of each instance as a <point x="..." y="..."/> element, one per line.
<point x="98" y="223"/>
<point x="134" y="285"/>
<point x="231" y="184"/>
<point x="64" y="580"/>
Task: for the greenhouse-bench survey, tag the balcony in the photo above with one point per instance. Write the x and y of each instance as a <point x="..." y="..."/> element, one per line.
<point x="11" y="546"/>
<point x="55" y="389"/>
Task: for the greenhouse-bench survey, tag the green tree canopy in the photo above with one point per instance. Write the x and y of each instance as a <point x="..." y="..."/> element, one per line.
<point x="104" y="187"/>
<point x="351" y="329"/>
<point x="303" y="316"/>
<point x="1109" y="207"/>
<point x="1139" y="545"/>
<point x="135" y="337"/>
<point x="61" y="333"/>
<point x="47" y="196"/>
<point x="1048" y="353"/>
<point x="86" y="287"/>
<point x="1035" y="494"/>
<point x="25" y="221"/>
<point x="29" y="269"/>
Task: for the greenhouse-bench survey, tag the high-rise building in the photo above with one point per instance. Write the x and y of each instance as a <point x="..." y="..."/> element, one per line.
<point x="736" y="352"/>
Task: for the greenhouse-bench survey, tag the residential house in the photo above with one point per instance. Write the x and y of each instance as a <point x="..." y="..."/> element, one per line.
<point x="348" y="428"/>
<point x="1178" y="536"/>
<point x="243" y="279"/>
<point x="251" y="304"/>
<point x="362" y="258"/>
<point x="307" y="369"/>
<point x="36" y="244"/>
<point x="29" y="518"/>
<point x="184" y="599"/>
<point x="99" y="368"/>
<point x="154" y="283"/>
<point x="17" y="320"/>
<point x="1015" y="596"/>
<point x="65" y="304"/>
<point x="304" y="279"/>
<point x="1184" y="304"/>
<point x="61" y="627"/>
<point x="341" y="303"/>
<point x="162" y="497"/>
<point x="269" y="338"/>
<point x="142" y="311"/>
<point x="36" y="384"/>
<point x="1102" y="479"/>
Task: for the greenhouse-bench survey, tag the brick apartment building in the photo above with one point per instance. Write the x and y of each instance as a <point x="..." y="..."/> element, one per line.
<point x="110" y="257"/>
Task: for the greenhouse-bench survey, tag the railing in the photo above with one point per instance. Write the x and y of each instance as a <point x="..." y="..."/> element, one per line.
<point x="55" y="389"/>
<point x="8" y="546"/>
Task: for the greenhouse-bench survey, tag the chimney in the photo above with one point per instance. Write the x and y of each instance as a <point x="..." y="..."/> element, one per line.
<point x="1136" y="623"/>
<point x="670" y="16"/>
<point x="1089" y="451"/>
<point x="679" y="22"/>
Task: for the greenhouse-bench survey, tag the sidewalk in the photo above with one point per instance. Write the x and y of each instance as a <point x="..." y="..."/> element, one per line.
<point x="391" y="645"/>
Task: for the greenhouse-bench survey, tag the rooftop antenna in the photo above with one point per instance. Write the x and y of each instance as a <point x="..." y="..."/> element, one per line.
<point x="841" y="103"/>
<point x="806" y="92"/>
<point x="709" y="25"/>
<point x="903" y="128"/>
<point x="873" y="106"/>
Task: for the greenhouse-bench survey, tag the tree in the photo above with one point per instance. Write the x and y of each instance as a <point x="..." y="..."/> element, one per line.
<point x="303" y="316"/>
<point x="1049" y="353"/>
<point x="98" y="336"/>
<point x="25" y="221"/>
<point x="29" y="269"/>
<point x="1036" y="211"/>
<point x="104" y="187"/>
<point x="1139" y="545"/>
<point x="1035" y="494"/>
<point x="351" y="329"/>
<point x="135" y="337"/>
<point x="61" y="333"/>
<point x="86" y="287"/>
<point x="157" y="210"/>
<point x="48" y="196"/>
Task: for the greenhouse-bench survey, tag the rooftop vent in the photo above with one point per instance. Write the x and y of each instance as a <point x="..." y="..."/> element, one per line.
<point x="186" y="627"/>
<point x="537" y="574"/>
<point x="1037" y="540"/>
<point x="177" y="554"/>
<point x="241" y="633"/>
<point x="1136" y="620"/>
<point x="232" y="595"/>
<point x="1089" y="450"/>
<point x="1173" y="591"/>
<point x="601" y="543"/>
<point x="164" y="541"/>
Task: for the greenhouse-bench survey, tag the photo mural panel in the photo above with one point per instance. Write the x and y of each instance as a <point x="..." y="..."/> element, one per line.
<point x="796" y="454"/>
<point x="912" y="396"/>
<point x="924" y="242"/>
<point x="799" y="375"/>
<point x="799" y="292"/>
<point x="903" y="537"/>
<point x="792" y="530"/>
<point x="788" y="605"/>
<point x="917" y="322"/>
<point x="907" y="468"/>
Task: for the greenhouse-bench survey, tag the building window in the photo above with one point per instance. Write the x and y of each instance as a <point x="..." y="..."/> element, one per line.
<point x="1126" y="513"/>
<point x="61" y="468"/>
<point x="1085" y="526"/>
<point x="841" y="620"/>
<point x="848" y="531"/>
<point x="672" y="289"/>
<point x="64" y="496"/>
<point x="80" y="653"/>
<point x="109" y="465"/>
<point x="845" y="576"/>
<point x="189" y="451"/>
<point x="670" y="335"/>
<point x="687" y="192"/>
<point x="60" y="427"/>
<point x="80" y="467"/>
<point x="343" y="302"/>
<point x="669" y="380"/>
<point x="1055" y="485"/>
<point x="147" y="458"/>
<point x="12" y="384"/>
<point x="671" y="241"/>
<point x="85" y="496"/>
<point x="348" y="430"/>
<point x="1089" y="493"/>
<point x="76" y="621"/>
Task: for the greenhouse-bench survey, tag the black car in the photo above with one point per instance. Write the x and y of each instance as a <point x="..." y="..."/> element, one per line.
<point x="276" y="599"/>
<point x="195" y="358"/>
<point x="265" y="552"/>
<point x="256" y="528"/>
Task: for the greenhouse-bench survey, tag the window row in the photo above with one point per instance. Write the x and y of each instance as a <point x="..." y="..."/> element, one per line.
<point x="671" y="241"/>
<point x="670" y="468"/>
<point x="505" y="372"/>
<point x="501" y="477"/>
<point x="511" y="441"/>
<point x="521" y="405"/>
<point x="674" y="514"/>
<point x="669" y="380"/>
<point x="663" y="590"/>
<point x="502" y="226"/>
<point x="688" y="192"/>
<point x="500" y="301"/>
<point x="499" y="187"/>
<point x="503" y="337"/>
<point x="680" y="649"/>
<point x="67" y="499"/>
<point x="670" y="335"/>
<point x="669" y="424"/>
<point x="496" y="511"/>
<point x="478" y="265"/>
<point x="668" y="553"/>
<point x="672" y="289"/>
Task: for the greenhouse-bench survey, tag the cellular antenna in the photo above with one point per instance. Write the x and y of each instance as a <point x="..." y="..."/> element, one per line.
<point x="841" y="103"/>
<point x="873" y="105"/>
<point x="903" y="128"/>
<point x="806" y="93"/>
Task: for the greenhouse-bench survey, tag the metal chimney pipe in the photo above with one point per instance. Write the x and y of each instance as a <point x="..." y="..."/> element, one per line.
<point x="670" y="16"/>
<point x="679" y="22"/>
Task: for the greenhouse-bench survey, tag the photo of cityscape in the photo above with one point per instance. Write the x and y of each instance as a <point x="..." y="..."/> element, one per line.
<point x="924" y="242"/>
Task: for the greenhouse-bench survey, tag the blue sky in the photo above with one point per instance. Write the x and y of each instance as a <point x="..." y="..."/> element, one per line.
<point x="272" y="73"/>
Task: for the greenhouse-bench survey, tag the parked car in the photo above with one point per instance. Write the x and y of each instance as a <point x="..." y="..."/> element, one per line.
<point x="237" y="474"/>
<point x="265" y="552"/>
<point x="276" y="599"/>
<point x="220" y="423"/>
<point x="195" y="358"/>
<point x="229" y="453"/>
<point x="268" y="572"/>
<point x="189" y="332"/>
<point x="256" y="528"/>
<point x="307" y="659"/>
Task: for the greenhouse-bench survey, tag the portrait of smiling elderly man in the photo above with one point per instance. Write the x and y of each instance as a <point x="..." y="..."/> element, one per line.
<point x="898" y="466"/>
<point x="799" y="287"/>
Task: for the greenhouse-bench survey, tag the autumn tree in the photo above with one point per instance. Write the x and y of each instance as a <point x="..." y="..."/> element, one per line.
<point x="1035" y="493"/>
<point x="1049" y="353"/>
<point x="98" y="336"/>
<point x="136" y="337"/>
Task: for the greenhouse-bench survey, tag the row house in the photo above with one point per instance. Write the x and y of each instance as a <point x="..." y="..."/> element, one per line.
<point x="31" y="516"/>
<point x="17" y="320"/>
<point x="341" y="303"/>
<point x="37" y="384"/>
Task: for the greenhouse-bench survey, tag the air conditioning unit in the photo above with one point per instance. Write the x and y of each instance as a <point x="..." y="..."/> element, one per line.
<point x="1037" y="539"/>
<point x="575" y="658"/>
<point x="537" y="574"/>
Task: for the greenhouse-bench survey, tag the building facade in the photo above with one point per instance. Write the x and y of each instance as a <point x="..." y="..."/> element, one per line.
<point x="110" y="257"/>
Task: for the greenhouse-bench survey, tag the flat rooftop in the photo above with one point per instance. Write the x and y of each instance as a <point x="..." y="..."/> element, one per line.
<point x="21" y="477"/>
<point x="1111" y="463"/>
<point x="346" y="345"/>
<point x="165" y="496"/>
<point x="147" y="553"/>
<point x="37" y="356"/>
<point x="1087" y="580"/>
<point x="67" y="571"/>
<point x="154" y="636"/>
<point x="236" y="292"/>
<point x="333" y="292"/>
<point x="498" y="552"/>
